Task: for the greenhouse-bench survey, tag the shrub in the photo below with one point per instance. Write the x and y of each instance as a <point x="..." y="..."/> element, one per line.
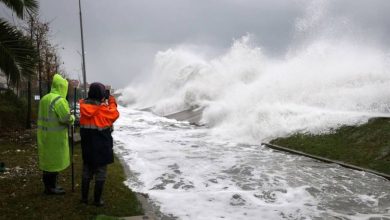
<point x="13" y="111"/>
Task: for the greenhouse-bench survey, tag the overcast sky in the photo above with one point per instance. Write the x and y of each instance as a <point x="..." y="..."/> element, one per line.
<point x="122" y="36"/>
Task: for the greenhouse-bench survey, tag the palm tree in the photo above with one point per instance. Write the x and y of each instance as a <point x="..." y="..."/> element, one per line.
<point x="18" y="55"/>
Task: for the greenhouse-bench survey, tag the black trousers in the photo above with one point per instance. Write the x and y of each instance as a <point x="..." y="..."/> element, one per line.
<point x="99" y="173"/>
<point x="49" y="179"/>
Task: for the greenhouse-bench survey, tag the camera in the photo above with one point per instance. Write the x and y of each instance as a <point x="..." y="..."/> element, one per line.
<point x="107" y="94"/>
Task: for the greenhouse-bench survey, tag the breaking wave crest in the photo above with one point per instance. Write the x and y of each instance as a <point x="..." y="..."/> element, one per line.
<point x="252" y="96"/>
<point x="323" y="81"/>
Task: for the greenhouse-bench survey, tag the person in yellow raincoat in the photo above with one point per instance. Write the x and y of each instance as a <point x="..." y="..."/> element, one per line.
<point x="52" y="134"/>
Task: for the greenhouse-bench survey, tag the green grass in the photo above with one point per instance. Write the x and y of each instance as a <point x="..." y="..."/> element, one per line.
<point x="21" y="188"/>
<point x="367" y="145"/>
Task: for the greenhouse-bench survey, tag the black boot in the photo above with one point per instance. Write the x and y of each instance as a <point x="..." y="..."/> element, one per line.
<point x="98" y="193"/>
<point x="55" y="191"/>
<point x="57" y="187"/>
<point x="84" y="190"/>
<point x="50" y="181"/>
<point x="46" y="181"/>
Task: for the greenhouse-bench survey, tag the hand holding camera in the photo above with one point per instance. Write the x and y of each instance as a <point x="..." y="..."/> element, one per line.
<point x="107" y="94"/>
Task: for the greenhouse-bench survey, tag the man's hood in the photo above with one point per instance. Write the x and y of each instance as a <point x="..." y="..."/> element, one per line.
<point x="59" y="85"/>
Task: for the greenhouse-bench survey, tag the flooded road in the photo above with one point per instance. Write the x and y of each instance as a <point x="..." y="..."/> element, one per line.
<point x="191" y="173"/>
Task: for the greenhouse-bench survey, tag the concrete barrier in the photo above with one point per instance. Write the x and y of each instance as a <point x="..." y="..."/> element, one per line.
<point x="193" y="116"/>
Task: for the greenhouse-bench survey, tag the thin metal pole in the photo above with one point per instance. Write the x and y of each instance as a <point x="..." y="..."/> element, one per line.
<point x="83" y="54"/>
<point x="71" y="152"/>
<point x="72" y="134"/>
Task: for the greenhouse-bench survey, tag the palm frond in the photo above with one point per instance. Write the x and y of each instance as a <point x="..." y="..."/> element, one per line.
<point x="18" y="57"/>
<point x="31" y="6"/>
<point x="22" y="7"/>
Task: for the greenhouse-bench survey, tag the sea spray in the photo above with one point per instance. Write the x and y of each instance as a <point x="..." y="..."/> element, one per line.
<point x="251" y="96"/>
<point x="331" y="75"/>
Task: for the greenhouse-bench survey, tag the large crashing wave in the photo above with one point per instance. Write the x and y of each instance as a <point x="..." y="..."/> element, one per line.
<point x="318" y="85"/>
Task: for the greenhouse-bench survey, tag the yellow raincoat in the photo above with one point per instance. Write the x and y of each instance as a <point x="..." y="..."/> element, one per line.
<point x="53" y="120"/>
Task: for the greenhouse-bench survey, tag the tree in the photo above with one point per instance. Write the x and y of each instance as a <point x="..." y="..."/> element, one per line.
<point x="18" y="55"/>
<point x="25" y="49"/>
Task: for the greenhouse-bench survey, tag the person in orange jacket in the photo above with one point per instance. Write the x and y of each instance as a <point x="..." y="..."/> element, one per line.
<point x="96" y="121"/>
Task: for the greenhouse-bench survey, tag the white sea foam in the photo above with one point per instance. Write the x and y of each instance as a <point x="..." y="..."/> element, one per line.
<point x="191" y="174"/>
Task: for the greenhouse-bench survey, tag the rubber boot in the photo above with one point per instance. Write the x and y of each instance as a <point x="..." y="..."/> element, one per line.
<point x="57" y="187"/>
<point x="84" y="190"/>
<point x="46" y="182"/>
<point x="50" y="180"/>
<point x="98" y="193"/>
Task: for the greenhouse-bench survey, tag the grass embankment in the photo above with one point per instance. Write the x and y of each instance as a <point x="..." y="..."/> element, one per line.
<point x="21" y="188"/>
<point x="367" y="145"/>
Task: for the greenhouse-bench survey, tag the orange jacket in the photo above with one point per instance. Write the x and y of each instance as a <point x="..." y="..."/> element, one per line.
<point x="95" y="115"/>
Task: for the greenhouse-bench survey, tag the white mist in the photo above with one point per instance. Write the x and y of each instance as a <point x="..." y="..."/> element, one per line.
<point x="326" y="84"/>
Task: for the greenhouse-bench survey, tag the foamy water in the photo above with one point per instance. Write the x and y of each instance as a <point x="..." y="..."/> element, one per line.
<point x="190" y="173"/>
<point x="330" y="76"/>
